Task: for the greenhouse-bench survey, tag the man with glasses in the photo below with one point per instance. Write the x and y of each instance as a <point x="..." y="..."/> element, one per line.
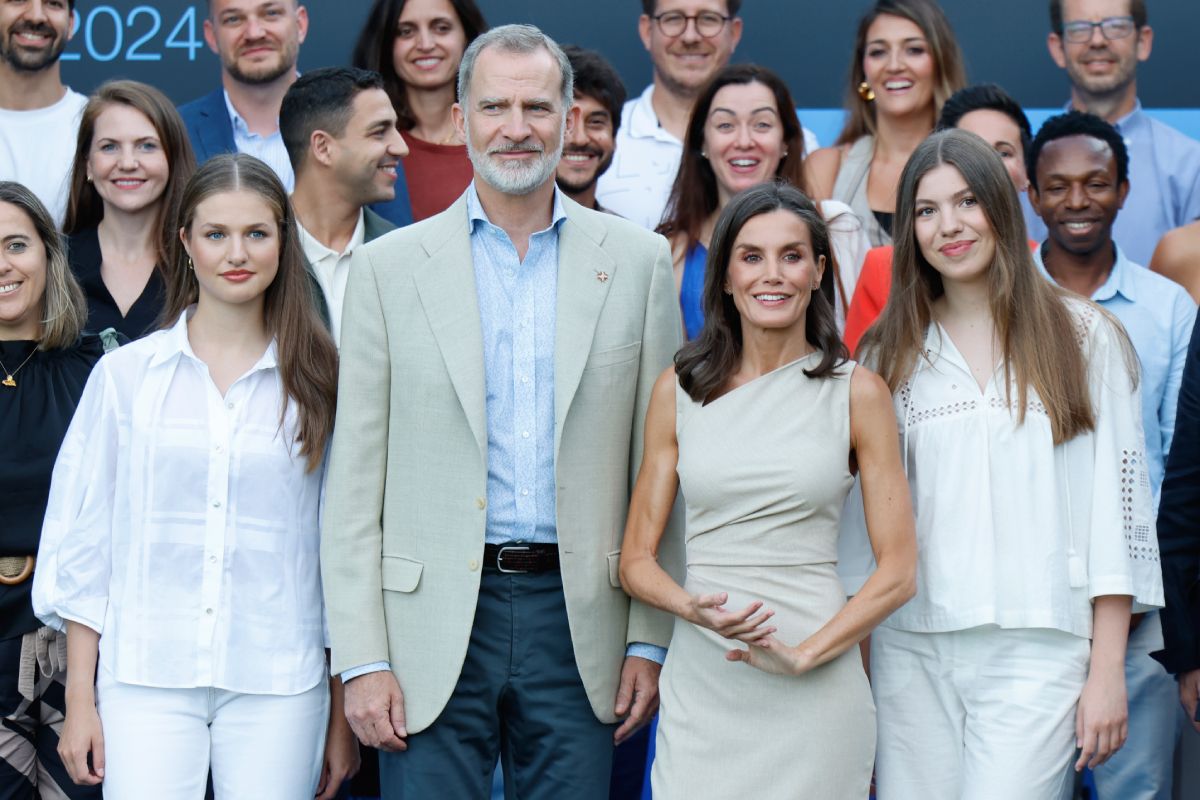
<point x="688" y="42"/>
<point x="1099" y="43"/>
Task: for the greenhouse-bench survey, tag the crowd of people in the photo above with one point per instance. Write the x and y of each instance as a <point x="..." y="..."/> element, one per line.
<point x="456" y="406"/>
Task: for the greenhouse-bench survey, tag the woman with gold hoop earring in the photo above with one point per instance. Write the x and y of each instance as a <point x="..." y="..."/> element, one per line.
<point x="906" y="64"/>
<point x="44" y="364"/>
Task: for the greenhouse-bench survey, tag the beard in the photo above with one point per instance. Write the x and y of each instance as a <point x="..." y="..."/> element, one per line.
<point x="260" y="74"/>
<point x="516" y="178"/>
<point x="24" y="60"/>
<point x="1101" y="85"/>
<point x="577" y="187"/>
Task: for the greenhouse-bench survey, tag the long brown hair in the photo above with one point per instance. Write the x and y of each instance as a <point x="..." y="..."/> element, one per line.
<point x="307" y="357"/>
<point x="64" y="309"/>
<point x="705" y="363"/>
<point x="85" y="209"/>
<point x="373" y="50"/>
<point x="948" y="76"/>
<point x="1036" y="331"/>
<point x="694" y="196"/>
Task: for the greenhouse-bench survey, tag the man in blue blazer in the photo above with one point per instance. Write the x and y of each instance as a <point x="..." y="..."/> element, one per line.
<point x="258" y="47"/>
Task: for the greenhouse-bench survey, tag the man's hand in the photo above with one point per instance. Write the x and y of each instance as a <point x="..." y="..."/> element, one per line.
<point x="1189" y="691"/>
<point x="375" y="710"/>
<point x="637" y="696"/>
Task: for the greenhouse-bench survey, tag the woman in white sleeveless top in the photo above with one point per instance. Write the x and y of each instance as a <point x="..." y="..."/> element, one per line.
<point x="761" y="424"/>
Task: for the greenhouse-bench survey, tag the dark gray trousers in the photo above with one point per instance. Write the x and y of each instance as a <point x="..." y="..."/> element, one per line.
<point x="519" y="697"/>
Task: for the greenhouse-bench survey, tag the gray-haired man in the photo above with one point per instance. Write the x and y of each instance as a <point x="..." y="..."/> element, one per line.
<point x="506" y="348"/>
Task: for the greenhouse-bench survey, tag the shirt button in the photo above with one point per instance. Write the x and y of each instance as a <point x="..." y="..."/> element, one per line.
<point x="219" y="449"/>
<point x="524" y="493"/>
<point x="524" y="434"/>
<point x="473" y="565"/>
<point x="216" y="503"/>
<point x="229" y="406"/>
<point x="524" y="379"/>
<point x="480" y="503"/>
<point x="212" y="559"/>
<point x="208" y="611"/>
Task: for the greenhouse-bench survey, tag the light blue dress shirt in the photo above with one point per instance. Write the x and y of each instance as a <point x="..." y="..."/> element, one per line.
<point x="1158" y="315"/>
<point x="268" y="149"/>
<point x="1164" y="185"/>
<point x="517" y="311"/>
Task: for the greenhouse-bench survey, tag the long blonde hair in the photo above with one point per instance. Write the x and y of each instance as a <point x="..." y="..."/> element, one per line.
<point x="1036" y="331"/>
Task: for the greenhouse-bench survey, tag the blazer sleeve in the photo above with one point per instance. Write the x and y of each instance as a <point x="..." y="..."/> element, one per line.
<point x="1179" y="526"/>
<point x="661" y="338"/>
<point x="352" y="527"/>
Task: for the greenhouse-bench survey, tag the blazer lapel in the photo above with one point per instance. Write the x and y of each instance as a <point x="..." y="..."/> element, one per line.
<point x="446" y="286"/>
<point x="585" y="272"/>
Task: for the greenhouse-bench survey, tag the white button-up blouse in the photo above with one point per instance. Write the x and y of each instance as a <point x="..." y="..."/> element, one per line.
<point x="183" y="526"/>
<point x="1011" y="529"/>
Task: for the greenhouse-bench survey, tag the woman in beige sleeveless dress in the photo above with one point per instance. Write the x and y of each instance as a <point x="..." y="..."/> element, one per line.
<point x="760" y="424"/>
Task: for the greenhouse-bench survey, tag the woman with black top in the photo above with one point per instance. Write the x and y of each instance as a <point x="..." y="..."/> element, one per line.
<point x="44" y="364"/>
<point x="132" y="161"/>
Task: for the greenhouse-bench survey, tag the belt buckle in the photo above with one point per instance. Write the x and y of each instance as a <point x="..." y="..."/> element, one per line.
<point x="500" y="558"/>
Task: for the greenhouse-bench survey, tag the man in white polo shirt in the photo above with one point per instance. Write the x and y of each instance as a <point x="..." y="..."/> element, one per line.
<point x="39" y="117"/>
<point x="689" y="41"/>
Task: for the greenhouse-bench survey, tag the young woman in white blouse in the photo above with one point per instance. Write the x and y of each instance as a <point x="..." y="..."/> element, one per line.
<point x="181" y="539"/>
<point x="1019" y="419"/>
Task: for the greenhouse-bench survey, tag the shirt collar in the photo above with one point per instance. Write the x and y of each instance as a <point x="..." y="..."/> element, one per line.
<point x="174" y="344"/>
<point x="1126" y="124"/>
<point x="643" y="122"/>
<point x="1120" y="279"/>
<point x="315" y="250"/>
<point x="235" y="118"/>
<point x="476" y="214"/>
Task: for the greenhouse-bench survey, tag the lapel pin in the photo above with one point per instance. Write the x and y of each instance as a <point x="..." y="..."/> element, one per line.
<point x="601" y="276"/>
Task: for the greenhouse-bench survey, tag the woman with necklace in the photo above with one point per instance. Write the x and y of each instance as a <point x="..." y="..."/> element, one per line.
<point x="416" y="45"/>
<point x="44" y="364"/>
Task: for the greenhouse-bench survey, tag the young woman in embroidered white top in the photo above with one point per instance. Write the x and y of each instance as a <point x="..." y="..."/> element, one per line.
<point x="181" y="540"/>
<point x="1019" y="417"/>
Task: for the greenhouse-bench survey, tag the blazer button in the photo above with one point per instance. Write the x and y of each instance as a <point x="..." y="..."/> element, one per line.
<point x="473" y="565"/>
<point x="480" y="503"/>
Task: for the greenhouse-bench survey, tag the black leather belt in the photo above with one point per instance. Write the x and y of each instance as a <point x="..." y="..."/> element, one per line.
<point x="520" y="557"/>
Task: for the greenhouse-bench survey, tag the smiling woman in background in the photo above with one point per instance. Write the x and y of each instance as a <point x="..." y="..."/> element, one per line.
<point x="906" y="64"/>
<point x="737" y="137"/>
<point x="131" y="164"/>
<point x="44" y="363"/>
<point x="416" y="45"/>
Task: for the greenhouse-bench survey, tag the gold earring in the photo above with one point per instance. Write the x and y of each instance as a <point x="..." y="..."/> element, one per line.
<point x="866" y="92"/>
<point x="191" y="266"/>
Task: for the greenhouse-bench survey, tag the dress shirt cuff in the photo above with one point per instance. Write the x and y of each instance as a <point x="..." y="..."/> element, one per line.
<point x="650" y="652"/>
<point x="354" y="672"/>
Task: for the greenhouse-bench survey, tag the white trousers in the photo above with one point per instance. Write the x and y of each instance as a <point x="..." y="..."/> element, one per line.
<point x="160" y="743"/>
<point x="980" y="714"/>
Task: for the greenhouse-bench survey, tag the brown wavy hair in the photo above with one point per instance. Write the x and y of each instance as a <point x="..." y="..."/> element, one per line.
<point x="373" y="50"/>
<point x="1036" y="331"/>
<point x="693" y="196"/>
<point x="64" y="309"/>
<point x="308" y="362"/>
<point x="949" y="73"/>
<point x="705" y="363"/>
<point x="85" y="209"/>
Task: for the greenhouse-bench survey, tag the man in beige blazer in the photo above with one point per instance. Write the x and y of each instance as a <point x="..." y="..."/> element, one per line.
<point x="497" y="361"/>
